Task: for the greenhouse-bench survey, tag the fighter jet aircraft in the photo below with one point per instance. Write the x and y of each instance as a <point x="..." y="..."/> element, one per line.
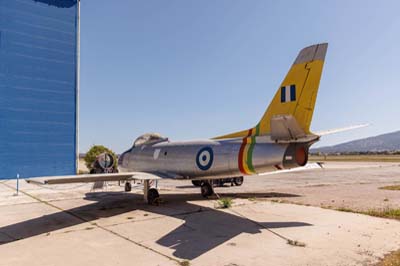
<point x="281" y="140"/>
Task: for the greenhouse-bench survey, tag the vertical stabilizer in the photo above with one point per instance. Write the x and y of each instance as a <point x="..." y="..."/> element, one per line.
<point x="296" y="95"/>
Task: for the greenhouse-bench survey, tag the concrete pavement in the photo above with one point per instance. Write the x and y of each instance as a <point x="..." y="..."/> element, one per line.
<point x="69" y="225"/>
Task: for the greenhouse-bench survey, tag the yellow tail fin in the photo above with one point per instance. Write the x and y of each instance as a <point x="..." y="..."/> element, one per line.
<point x="297" y="94"/>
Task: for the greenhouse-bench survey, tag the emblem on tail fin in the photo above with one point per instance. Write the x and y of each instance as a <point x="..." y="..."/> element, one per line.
<point x="288" y="93"/>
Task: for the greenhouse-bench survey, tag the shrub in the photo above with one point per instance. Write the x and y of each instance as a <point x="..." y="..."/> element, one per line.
<point x="225" y="203"/>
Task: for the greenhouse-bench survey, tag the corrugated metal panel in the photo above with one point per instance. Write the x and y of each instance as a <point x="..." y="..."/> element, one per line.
<point x="38" y="61"/>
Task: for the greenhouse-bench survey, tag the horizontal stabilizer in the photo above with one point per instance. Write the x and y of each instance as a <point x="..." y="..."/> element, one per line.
<point x="337" y="130"/>
<point x="310" y="166"/>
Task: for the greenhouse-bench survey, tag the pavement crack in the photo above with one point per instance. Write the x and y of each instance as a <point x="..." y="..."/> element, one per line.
<point x="288" y="240"/>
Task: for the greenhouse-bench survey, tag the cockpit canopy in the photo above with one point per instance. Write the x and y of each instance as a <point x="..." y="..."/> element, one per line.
<point x="149" y="138"/>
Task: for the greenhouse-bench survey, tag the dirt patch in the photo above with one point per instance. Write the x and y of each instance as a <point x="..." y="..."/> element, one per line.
<point x="383" y="213"/>
<point x="394" y="187"/>
<point x="392" y="259"/>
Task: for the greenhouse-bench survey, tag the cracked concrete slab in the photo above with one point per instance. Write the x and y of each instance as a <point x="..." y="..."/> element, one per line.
<point x="111" y="227"/>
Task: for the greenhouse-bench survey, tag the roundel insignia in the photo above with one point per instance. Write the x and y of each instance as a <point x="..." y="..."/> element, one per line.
<point x="204" y="158"/>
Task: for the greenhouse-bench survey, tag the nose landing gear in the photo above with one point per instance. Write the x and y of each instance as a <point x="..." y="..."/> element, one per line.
<point x="128" y="186"/>
<point x="151" y="195"/>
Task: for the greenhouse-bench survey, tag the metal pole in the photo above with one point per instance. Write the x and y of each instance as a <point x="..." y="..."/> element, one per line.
<point x="77" y="83"/>
<point x="17" y="184"/>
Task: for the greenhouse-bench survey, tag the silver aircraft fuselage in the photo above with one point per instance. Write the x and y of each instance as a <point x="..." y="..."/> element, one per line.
<point x="208" y="159"/>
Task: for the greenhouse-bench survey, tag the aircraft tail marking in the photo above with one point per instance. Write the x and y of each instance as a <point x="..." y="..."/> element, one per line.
<point x="296" y="95"/>
<point x="245" y="157"/>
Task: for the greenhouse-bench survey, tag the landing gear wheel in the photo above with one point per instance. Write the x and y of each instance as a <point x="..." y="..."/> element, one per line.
<point x="196" y="183"/>
<point x="238" y="181"/>
<point x="152" y="196"/>
<point x="128" y="186"/>
<point x="206" y="189"/>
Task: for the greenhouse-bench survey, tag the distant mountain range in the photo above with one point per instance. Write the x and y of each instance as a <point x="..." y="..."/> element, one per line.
<point x="384" y="142"/>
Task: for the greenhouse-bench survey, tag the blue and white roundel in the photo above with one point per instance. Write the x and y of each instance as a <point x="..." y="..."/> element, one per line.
<point x="204" y="158"/>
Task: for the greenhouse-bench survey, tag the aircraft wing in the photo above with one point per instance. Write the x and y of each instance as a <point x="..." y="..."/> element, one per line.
<point x="337" y="130"/>
<point x="87" y="178"/>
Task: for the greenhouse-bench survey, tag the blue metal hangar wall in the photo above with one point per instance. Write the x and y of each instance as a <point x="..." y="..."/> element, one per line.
<point x="39" y="47"/>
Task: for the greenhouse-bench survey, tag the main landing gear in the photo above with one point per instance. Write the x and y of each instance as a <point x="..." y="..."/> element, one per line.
<point x="206" y="186"/>
<point x="238" y="181"/>
<point x="206" y="189"/>
<point x="233" y="181"/>
<point x="151" y="195"/>
<point x="197" y="183"/>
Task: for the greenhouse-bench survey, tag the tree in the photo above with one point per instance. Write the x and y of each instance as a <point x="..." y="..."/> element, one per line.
<point x="95" y="151"/>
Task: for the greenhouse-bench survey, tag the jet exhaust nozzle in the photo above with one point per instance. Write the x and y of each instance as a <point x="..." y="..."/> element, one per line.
<point x="296" y="155"/>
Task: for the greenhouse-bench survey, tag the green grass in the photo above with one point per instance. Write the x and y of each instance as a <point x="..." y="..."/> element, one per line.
<point x="383" y="213"/>
<point x="394" y="187"/>
<point x="344" y="209"/>
<point x="225" y="203"/>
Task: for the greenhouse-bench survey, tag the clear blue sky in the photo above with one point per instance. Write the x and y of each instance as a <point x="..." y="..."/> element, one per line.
<point x="197" y="69"/>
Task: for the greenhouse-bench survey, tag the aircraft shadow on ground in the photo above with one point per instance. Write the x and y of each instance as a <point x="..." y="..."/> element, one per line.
<point x="203" y="228"/>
